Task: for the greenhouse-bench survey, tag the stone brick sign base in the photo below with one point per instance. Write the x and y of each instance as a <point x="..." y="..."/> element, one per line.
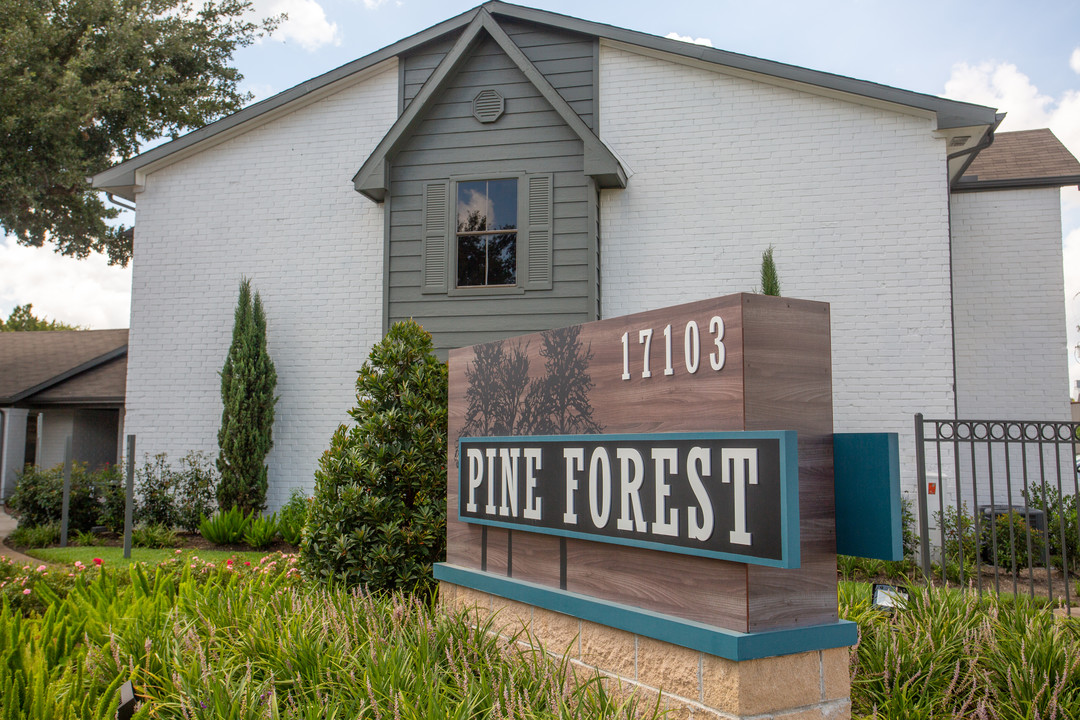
<point x="804" y="686"/>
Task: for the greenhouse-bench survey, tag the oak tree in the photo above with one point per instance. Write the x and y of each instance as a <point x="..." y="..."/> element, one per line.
<point x="86" y="83"/>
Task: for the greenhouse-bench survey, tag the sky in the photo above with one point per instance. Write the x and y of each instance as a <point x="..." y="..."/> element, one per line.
<point x="1020" y="57"/>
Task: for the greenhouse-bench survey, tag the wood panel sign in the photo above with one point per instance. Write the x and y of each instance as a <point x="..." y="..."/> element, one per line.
<point x="678" y="461"/>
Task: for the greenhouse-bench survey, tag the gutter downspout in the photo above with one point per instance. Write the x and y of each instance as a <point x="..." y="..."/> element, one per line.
<point x="972" y="153"/>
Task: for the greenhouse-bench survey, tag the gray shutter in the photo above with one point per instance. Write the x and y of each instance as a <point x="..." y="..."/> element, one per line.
<point x="435" y="262"/>
<point x="538" y="243"/>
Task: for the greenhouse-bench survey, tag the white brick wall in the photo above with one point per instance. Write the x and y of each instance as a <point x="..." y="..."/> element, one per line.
<point x="853" y="198"/>
<point x="1011" y="350"/>
<point x="277" y="205"/>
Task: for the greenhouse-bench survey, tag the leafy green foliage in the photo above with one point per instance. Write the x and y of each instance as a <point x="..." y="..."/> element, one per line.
<point x="1006" y="539"/>
<point x="112" y="486"/>
<point x="86" y="82"/>
<point x="378" y="518"/>
<point x="154" y="536"/>
<point x="770" y="281"/>
<point x="34" y="536"/>
<point x="1061" y="528"/>
<point x="247" y="418"/>
<point x="261" y="531"/>
<point x="292" y="516"/>
<point x="960" y="542"/>
<point x="225" y="527"/>
<point x="84" y="539"/>
<point x="22" y="319"/>
<point x="196" y="485"/>
<point x="39" y="496"/>
<point x="155" y="488"/>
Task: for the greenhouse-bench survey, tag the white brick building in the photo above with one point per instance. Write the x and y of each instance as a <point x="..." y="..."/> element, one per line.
<point x="670" y="168"/>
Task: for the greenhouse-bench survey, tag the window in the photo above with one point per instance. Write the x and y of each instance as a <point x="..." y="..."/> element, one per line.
<point x="486" y="239"/>
<point x="487" y="236"/>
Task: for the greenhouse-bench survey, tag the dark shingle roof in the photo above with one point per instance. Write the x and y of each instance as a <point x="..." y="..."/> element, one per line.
<point x="31" y="362"/>
<point x="104" y="384"/>
<point x="1028" y="158"/>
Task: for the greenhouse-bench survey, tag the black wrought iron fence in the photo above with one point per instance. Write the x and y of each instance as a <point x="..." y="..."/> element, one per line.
<point x="1006" y="495"/>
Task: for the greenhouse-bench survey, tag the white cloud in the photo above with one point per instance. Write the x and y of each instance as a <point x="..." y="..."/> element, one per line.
<point x="686" y="38"/>
<point x="306" y="24"/>
<point x="1003" y="86"/>
<point x="375" y="4"/>
<point x="86" y="292"/>
<point x="1074" y="61"/>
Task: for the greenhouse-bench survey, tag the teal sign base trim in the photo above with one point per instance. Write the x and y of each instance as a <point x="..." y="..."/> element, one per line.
<point x="723" y="643"/>
<point x="868" y="506"/>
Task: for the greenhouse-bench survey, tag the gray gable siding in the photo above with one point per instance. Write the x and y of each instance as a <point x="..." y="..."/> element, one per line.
<point x="529" y="138"/>
<point x="567" y="60"/>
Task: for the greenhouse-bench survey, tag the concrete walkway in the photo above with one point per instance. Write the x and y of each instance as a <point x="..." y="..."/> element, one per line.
<point x="7" y="526"/>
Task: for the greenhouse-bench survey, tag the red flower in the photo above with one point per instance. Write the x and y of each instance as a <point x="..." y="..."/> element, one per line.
<point x="98" y="561"/>
<point x="246" y="562"/>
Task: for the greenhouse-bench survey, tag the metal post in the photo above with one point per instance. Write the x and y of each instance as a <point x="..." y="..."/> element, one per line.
<point x="129" y="496"/>
<point x="67" y="494"/>
<point x="924" y="526"/>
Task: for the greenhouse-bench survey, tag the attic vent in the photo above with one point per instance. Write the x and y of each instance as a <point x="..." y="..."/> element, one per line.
<point x="488" y="106"/>
<point x="959" y="141"/>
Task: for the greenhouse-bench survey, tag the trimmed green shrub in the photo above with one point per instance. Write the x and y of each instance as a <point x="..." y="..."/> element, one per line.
<point x="225" y="527"/>
<point x="1011" y="553"/>
<point x="960" y="542"/>
<point x="155" y="488"/>
<point x="196" y="485"/>
<point x="378" y="518"/>
<point x="34" y="536"/>
<point x="1059" y="510"/>
<point x="39" y="497"/>
<point x="261" y="531"/>
<point x="247" y="418"/>
<point x="292" y="516"/>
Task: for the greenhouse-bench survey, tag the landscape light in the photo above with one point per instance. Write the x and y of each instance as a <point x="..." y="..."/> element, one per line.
<point x="889" y="597"/>
<point x="127" y="702"/>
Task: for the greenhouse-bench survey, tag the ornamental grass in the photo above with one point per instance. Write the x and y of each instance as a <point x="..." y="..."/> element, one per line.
<point x="233" y="641"/>
<point x="948" y="654"/>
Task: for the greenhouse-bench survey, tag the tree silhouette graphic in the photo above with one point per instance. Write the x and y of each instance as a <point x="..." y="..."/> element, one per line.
<point x="558" y="403"/>
<point x="502" y="401"/>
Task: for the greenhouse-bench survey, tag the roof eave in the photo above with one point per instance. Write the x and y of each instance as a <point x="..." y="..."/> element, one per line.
<point x="1058" y="181"/>
<point x="950" y="113"/>
<point x="122" y="179"/>
<point x="372" y="179"/>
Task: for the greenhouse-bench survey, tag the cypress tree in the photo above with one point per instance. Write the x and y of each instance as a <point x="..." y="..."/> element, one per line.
<point x="770" y="281"/>
<point x="247" y="417"/>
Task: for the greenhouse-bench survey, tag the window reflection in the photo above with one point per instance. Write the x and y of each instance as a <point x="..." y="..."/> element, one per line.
<point x="485" y="257"/>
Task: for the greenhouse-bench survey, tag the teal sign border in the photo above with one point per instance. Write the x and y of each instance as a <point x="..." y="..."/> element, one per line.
<point x="730" y="644"/>
<point x="789" y="494"/>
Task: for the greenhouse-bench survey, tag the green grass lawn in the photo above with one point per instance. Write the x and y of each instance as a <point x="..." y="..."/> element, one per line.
<point x="114" y="556"/>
